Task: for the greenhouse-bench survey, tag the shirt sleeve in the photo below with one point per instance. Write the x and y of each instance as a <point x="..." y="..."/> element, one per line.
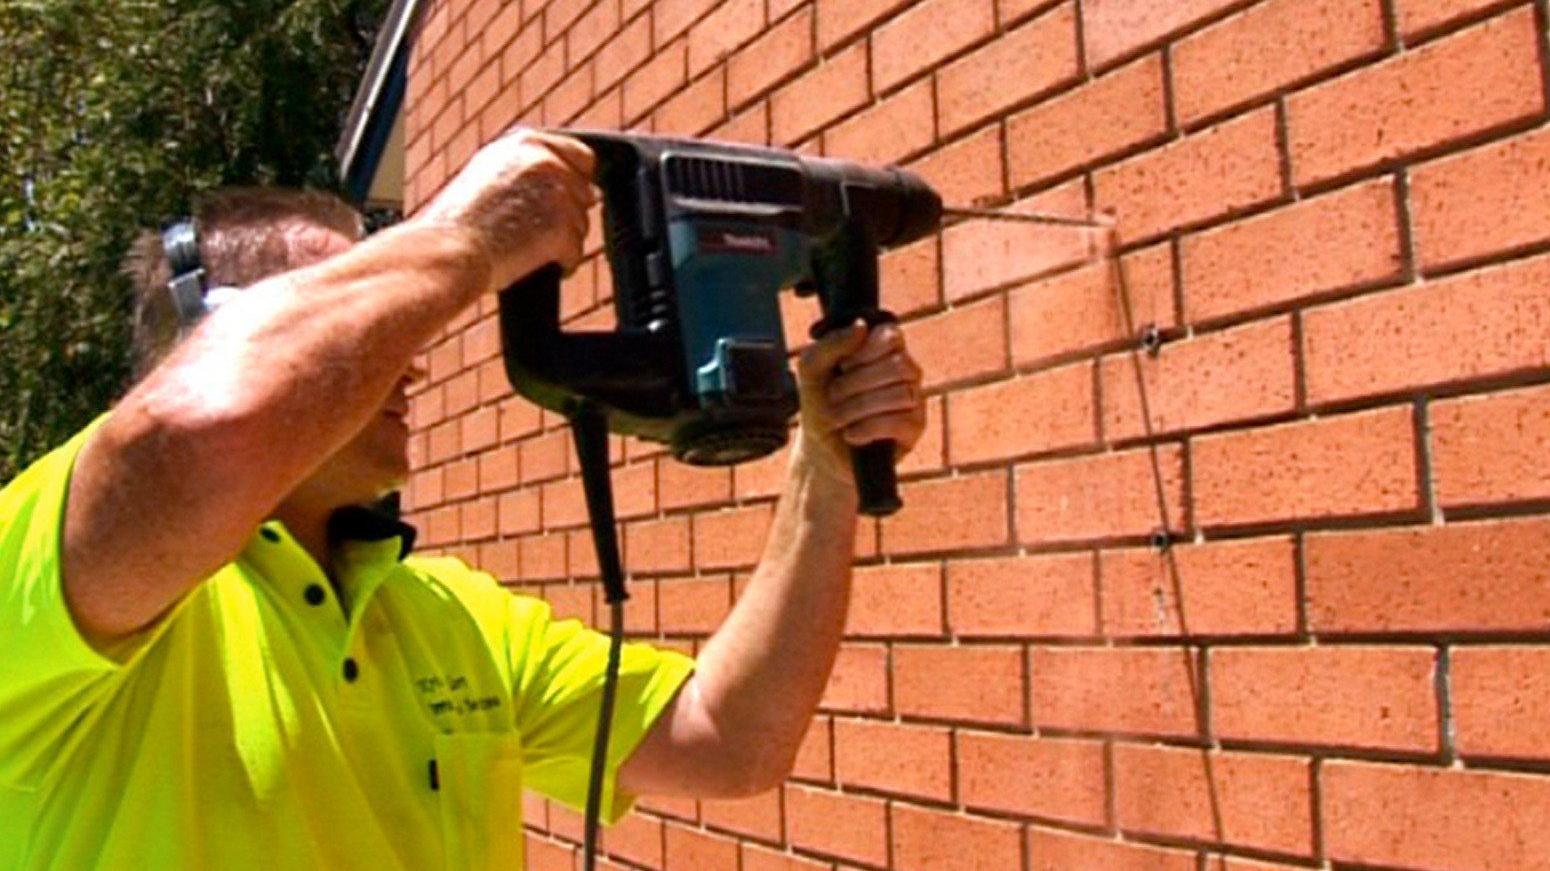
<point x="49" y="674"/>
<point x="558" y="668"/>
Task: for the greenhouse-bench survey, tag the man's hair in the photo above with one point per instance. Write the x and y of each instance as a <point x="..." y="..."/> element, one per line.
<point x="243" y="238"/>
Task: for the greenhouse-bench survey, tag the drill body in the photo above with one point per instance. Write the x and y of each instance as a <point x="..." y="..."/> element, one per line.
<point x="701" y="237"/>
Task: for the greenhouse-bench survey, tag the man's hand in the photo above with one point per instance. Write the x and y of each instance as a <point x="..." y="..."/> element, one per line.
<point x="858" y="385"/>
<point x="524" y="199"/>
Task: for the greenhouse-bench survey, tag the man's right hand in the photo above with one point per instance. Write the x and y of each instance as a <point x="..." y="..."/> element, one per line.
<point x="524" y="199"/>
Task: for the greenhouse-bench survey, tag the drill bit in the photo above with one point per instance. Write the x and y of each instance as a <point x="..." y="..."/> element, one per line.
<point x="1100" y="223"/>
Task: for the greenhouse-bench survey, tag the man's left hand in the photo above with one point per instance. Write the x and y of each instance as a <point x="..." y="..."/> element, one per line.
<point x="859" y="385"/>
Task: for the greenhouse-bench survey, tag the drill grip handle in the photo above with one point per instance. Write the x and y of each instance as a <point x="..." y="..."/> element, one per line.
<point x="877" y="481"/>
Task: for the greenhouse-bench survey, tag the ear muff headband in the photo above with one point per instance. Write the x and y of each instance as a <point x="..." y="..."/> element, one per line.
<point x="192" y="296"/>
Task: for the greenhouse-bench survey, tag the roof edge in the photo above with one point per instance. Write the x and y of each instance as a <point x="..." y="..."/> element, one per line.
<point x="392" y="42"/>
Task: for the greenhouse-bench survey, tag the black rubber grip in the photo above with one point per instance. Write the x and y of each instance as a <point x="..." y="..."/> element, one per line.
<point x="876" y="482"/>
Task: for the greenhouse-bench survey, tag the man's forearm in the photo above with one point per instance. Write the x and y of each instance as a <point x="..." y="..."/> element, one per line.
<point x="264" y="390"/>
<point x="762" y="673"/>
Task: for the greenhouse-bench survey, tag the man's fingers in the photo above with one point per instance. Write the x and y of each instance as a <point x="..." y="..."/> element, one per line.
<point x="824" y="355"/>
<point x="894" y="369"/>
<point x="575" y="155"/>
<point x="903" y="429"/>
<point x="881" y="341"/>
<point x="886" y="400"/>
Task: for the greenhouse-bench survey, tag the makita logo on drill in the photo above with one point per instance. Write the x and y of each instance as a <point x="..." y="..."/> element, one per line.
<point x="738" y="241"/>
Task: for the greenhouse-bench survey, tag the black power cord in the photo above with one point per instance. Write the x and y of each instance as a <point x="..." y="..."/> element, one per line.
<point x="590" y="429"/>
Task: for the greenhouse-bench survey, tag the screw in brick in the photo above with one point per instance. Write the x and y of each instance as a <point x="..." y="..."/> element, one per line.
<point x="1161" y="540"/>
<point x="1151" y="340"/>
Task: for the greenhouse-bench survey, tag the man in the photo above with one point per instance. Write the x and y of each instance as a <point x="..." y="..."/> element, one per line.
<point x="214" y="659"/>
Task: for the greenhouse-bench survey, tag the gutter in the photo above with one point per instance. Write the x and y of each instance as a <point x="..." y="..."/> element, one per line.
<point x="377" y="101"/>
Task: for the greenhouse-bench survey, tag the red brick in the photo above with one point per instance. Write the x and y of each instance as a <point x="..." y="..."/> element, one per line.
<point x="930" y="840"/>
<point x="461" y="479"/>
<point x="1329" y="243"/>
<point x="1251" y="799"/>
<point x="497" y="470"/>
<point x="583" y="554"/>
<point x="543" y="557"/>
<point x="815" y="758"/>
<point x="937" y="342"/>
<point x="1418" y="16"/>
<point x="478" y="519"/>
<point x="623" y="53"/>
<point x="480" y="429"/>
<point x="635" y="489"/>
<point x="546" y="70"/>
<point x="694" y="109"/>
<point x="776" y="54"/>
<point x="545" y="457"/>
<point x="1473" y="577"/>
<point x="637" y="838"/>
<point x="693" y="605"/>
<point x="566" y="100"/>
<point x="1152" y="691"/>
<point x="752" y="127"/>
<point x="654" y="82"/>
<point x="757" y="817"/>
<point x="1431" y="818"/>
<point x="967" y="172"/>
<point x="928" y="32"/>
<point x="1082" y="309"/>
<point x="1234" y="863"/>
<point x="1098" y="496"/>
<point x="444" y="441"/>
<point x="1476" y="325"/>
<point x="560" y="14"/>
<point x="658" y="546"/>
<point x="1019" y="65"/>
<point x="1052" y="850"/>
<point x="762" y="859"/>
<point x="1506" y="180"/>
<point x="848" y="826"/>
<point x="501" y="559"/>
<point x="520" y="53"/>
<point x="493" y="383"/>
<point x="1022" y="596"/>
<point x="1114" y="28"/>
<point x="891" y="757"/>
<point x="546" y="855"/>
<point x="1500" y="698"/>
<point x="687" y="848"/>
<point x="982" y="684"/>
<point x="565" y="504"/>
<point x="441" y="527"/>
<point x="840" y="19"/>
<point x="1491" y="448"/>
<point x="1033" y="414"/>
<point x="1346" y="465"/>
<point x="569" y="602"/>
<point x="1229" y="588"/>
<point x="1368" y="697"/>
<point x="949" y="514"/>
<point x="672" y="17"/>
<point x="859" y="681"/>
<point x="728" y="539"/>
<point x="446" y="359"/>
<point x="887" y="132"/>
<point x="733" y="23"/>
<point x="835" y="87"/>
<point x="981" y="254"/>
<point x="1483" y="77"/>
<point x="681" y="485"/>
<point x="1269" y="47"/>
<point x="592" y="29"/>
<point x="1102" y="118"/>
<point x="519" y="418"/>
<point x="909" y="277"/>
<point x="764" y="477"/>
<point x="426" y="488"/>
<point x="1053" y="778"/>
<point x="1224" y="377"/>
<point x="519" y="512"/>
<point x="896" y="599"/>
<point x="1220" y="170"/>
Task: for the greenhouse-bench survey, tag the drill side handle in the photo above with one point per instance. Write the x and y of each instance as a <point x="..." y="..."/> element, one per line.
<point x="845" y="275"/>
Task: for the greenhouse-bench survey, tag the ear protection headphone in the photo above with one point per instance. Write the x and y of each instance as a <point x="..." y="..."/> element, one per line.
<point x="192" y="296"/>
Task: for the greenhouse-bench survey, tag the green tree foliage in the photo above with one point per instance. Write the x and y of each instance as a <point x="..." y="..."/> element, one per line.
<point x="113" y="113"/>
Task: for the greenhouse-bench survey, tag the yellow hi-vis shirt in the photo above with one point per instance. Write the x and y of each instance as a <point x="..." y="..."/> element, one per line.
<point x="263" y="724"/>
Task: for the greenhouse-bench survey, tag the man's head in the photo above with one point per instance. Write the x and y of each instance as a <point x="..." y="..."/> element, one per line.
<point x="246" y="235"/>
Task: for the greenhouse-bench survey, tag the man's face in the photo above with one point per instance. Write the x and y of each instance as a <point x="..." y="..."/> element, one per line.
<point x="376" y="461"/>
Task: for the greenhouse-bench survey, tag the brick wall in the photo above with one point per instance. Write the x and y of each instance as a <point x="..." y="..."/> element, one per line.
<point x="1334" y="215"/>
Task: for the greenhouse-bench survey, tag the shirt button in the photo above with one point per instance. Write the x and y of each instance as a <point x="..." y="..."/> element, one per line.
<point x="313" y="594"/>
<point x="351" y="670"/>
<point x="269" y="534"/>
